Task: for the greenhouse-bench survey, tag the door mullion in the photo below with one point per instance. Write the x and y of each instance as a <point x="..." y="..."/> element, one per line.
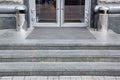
<point x="58" y="13"/>
<point x="62" y="12"/>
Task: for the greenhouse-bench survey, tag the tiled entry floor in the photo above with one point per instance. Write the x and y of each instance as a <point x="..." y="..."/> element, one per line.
<point x="60" y="78"/>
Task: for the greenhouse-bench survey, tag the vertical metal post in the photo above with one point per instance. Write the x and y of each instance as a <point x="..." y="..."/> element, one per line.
<point x="104" y="20"/>
<point x="17" y="21"/>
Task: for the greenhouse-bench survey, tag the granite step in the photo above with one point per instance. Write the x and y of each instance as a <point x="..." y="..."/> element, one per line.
<point x="59" y="55"/>
<point x="59" y="68"/>
<point x="42" y="45"/>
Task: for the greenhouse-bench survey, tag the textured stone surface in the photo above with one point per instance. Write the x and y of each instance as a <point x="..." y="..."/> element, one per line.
<point x="60" y="78"/>
<point x="60" y="56"/>
<point x="92" y="21"/>
<point x="110" y="0"/>
<point x="17" y="40"/>
<point x="114" y="23"/>
<point x="98" y="0"/>
<point x="60" y="69"/>
<point x="7" y="22"/>
<point x="13" y="0"/>
<point x="60" y="33"/>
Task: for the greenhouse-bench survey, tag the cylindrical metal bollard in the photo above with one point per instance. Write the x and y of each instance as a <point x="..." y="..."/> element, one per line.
<point x="13" y="8"/>
<point x="21" y="9"/>
<point x="103" y="12"/>
<point x="104" y="19"/>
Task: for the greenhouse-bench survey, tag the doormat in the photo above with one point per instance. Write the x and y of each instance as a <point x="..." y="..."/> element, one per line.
<point x="60" y="33"/>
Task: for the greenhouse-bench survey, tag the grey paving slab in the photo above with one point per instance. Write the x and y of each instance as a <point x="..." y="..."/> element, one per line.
<point x="33" y="78"/>
<point x="65" y="78"/>
<point x="110" y="78"/>
<point x="75" y="77"/>
<point x="3" y="31"/>
<point x="61" y="77"/>
<point x="27" y="77"/>
<point x="6" y="78"/>
<point x="87" y="78"/>
<point x="18" y="78"/>
<point x="118" y="78"/>
<point x="98" y="78"/>
<point x="42" y="78"/>
<point x="53" y="78"/>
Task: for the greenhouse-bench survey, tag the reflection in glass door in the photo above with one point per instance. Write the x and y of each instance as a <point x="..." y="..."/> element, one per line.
<point x="60" y="13"/>
<point x="73" y="13"/>
<point x="46" y="11"/>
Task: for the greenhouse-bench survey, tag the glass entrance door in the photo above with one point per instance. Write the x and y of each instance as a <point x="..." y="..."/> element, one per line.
<point x="60" y="13"/>
<point x="46" y="13"/>
<point x="74" y="13"/>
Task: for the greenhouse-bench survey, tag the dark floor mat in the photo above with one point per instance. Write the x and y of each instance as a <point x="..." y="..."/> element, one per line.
<point x="60" y="33"/>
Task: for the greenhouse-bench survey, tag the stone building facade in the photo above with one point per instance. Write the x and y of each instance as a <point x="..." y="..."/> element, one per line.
<point x="20" y="1"/>
<point x="92" y="13"/>
<point x="99" y="0"/>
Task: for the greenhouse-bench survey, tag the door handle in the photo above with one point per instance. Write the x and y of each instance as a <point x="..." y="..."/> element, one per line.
<point x="62" y="9"/>
<point x="32" y="11"/>
<point x="57" y="9"/>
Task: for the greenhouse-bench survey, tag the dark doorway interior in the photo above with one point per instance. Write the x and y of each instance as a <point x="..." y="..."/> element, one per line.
<point x="74" y="2"/>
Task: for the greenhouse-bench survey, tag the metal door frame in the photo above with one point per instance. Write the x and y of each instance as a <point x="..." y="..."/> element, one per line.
<point x="59" y="15"/>
<point x="34" y="18"/>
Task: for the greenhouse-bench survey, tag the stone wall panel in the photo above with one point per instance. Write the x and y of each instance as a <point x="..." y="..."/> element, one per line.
<point x="98" y="0"/>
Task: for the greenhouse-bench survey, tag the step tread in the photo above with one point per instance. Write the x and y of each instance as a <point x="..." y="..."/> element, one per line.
<point x="58" y="43"/>
<point x="59" y="66"/>
<point x="58" y="53"/>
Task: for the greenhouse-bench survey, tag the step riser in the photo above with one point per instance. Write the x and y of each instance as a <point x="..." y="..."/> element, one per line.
<point x="60" y="59"/>
<point x="60" y="48"/>
<point x="60" y="68"/>
<point x="61" y="73"/>
<point x="59" y="55"/>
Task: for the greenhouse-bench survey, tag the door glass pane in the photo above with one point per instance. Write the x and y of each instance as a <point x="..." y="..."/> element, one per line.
<point x="74" y="11"/>
<point x="46" y="11"/>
